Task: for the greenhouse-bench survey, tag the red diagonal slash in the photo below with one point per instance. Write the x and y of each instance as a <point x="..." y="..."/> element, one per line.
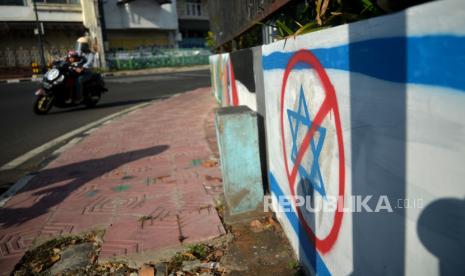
<point x="329" y="104"/>
<point x="234" y="97"/>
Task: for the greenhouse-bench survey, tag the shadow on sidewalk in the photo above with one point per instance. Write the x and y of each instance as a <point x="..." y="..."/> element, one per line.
<point x="47" y="191"/>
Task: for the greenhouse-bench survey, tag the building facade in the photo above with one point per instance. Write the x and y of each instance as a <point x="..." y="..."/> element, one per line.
<point x="140" y="23"/>
<point x="62" y="24"/>
<point x="194" y="23"/>
<point x="111" y="24"/>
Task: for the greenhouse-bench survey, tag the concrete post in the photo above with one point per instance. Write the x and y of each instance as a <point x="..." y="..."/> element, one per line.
<point x="240" y="158"/>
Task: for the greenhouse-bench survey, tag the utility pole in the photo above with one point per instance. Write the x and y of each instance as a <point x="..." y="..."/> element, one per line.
<point x="41" y="45"/>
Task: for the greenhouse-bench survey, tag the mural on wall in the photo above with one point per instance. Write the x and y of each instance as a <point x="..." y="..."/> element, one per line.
<point x="232" y="77"/>
<point x="307" y="139"/>
<point x="306" y="146"/>
<point x="219" y="70"/>
<point x="359" y="112"/>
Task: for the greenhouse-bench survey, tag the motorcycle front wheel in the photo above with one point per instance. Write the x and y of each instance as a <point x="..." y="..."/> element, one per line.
<point x="42" y="104"/>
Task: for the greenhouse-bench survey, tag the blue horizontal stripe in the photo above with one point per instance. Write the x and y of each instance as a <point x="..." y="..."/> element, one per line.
<point x="310" y="252"/>
<point x="431" y="60"/>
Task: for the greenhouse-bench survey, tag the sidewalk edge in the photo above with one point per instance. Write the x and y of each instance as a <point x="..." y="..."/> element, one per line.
<point x="32" y="153"/>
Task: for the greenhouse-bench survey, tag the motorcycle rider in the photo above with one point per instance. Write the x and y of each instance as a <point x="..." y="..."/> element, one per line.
<point x="75" y="61"/>
<point x="84" y="71"/>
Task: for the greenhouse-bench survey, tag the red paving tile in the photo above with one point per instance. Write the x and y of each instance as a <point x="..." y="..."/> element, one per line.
<point x="149" y="165"/>
<point x="190" y="222"/>
<point x="130" y="235"/>
<point x="66" y="222"/>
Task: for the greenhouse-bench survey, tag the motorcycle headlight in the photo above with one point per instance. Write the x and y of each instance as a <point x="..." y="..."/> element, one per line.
<point x="53" y="74"/>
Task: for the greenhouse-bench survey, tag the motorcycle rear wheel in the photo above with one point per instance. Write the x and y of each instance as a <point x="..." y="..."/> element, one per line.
<point x="92" y="101"/>
<point x="42" y="104"/>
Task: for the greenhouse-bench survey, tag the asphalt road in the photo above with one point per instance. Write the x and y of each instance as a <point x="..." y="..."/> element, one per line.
<point x="22" y="130"/>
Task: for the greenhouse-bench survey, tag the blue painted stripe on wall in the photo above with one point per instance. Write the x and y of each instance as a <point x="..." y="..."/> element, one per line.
<point x="431" y="60"/>
<point x="310" y="252"/>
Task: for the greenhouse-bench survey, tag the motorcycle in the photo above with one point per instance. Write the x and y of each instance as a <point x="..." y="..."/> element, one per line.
<point x="58" y="82"/>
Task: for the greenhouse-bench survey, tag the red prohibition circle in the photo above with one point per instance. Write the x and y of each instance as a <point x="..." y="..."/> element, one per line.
<point x="329" y="103"/>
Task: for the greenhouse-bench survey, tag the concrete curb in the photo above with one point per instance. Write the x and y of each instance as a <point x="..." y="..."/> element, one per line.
<point x="34" y="152"/>
<point x="86" y="130"/>
<point x="21" y="183"/>
<point x="150" y="71"/>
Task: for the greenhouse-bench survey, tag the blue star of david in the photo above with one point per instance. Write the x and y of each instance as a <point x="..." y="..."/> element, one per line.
<point x="313" y="176"/>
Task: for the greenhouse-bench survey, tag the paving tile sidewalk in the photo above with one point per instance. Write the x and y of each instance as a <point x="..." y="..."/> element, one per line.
<point x="147" y="178"/>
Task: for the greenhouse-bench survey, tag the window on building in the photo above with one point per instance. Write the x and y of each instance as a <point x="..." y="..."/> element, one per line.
<point x="12" y="2"/>
<point x="194" y="8"/>
<point x="58" y="1"/>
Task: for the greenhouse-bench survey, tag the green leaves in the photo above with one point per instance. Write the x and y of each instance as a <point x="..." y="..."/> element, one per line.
<point x="309" y="27"/>
<point x="210" y="39"/>
<point x="313" y="15"/>
<point x="284" y="30"/>
<point x="369" y="6"/>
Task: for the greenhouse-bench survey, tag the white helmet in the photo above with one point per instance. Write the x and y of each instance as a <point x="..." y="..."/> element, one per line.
<point x="83" y="45"/>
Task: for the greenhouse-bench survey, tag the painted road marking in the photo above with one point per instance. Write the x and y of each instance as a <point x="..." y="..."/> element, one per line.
<point x="207" y="75"/>
<point x="68" y="145"/>
<point x="132" y="79"/>
<point x="14" y="189"/>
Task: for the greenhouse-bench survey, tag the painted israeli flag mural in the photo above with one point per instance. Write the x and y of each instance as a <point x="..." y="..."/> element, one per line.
<point x="311" y="177"/>
<point x="305" y="143"/>
<point x="374" y="109"/>
<point x="365" y="135"/>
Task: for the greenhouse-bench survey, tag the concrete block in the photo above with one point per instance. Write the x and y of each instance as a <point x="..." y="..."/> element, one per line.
<point x="240" y="158"/>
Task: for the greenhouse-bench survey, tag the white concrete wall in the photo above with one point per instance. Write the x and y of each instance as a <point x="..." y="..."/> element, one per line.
<point x="141" y="14"/>
<point x="374" y="108"/>
<point x="47" y="12"/>
<point x="219" y="70"/>
<point x="227" y="88"/>
<point x="16" y="13"/>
